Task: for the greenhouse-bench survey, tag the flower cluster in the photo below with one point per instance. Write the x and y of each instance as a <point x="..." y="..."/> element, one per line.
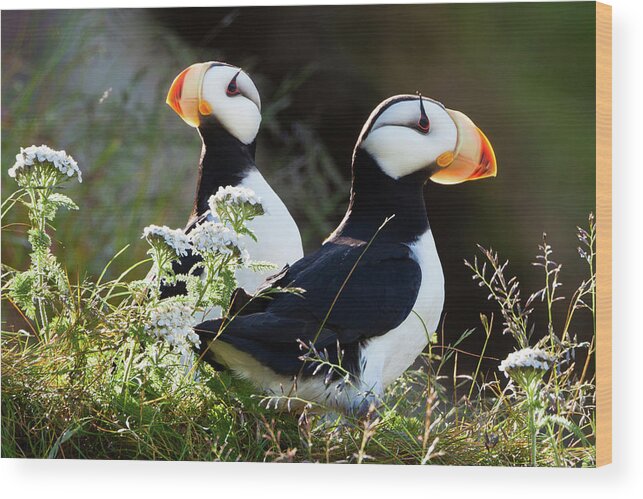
<point x="213" y="237"/>
<point x="527" y="358"/>
<point x="43" y="155"/>
<point x="235" y="206"/>
<point x="176" y="239"/>
<point x="173" y="321"/>
<point x="230" y="195"/>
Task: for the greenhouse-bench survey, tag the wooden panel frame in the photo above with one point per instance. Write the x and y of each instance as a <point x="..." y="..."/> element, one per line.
<point x="604" y="234"/>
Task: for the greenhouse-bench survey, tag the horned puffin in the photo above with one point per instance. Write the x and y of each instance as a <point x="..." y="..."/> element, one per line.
<point x="223" y="104"/>
<point x="374" y="291"/>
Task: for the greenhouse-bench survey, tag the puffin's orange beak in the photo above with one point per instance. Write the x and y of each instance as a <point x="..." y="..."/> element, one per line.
<point x="473" y="158"/>
<point x="174" y="95"/>
<point x="184" y="96"/>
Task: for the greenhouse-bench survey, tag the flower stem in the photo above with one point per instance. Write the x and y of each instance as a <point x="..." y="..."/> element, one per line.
<point x="531" y="405"/>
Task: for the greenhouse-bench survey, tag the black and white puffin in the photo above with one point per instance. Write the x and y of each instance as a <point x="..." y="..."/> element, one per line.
<point x="371" y="299"/>
<point x="223" y="104"/>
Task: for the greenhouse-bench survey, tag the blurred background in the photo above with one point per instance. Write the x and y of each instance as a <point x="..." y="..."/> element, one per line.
<point x="93" y="82"/>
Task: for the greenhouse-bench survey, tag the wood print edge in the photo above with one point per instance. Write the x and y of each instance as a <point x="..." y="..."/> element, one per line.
<point x="604" y="234"/>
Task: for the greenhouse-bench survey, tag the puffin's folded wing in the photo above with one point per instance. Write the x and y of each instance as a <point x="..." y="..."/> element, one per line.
<point x="350" y="296"/>
<point x="357" y="293"/>
<point x="274" y="341"/>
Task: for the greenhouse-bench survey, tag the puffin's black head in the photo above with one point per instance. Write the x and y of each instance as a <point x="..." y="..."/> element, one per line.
<point x="215" y="93"/>
<point x="407" y="134"/>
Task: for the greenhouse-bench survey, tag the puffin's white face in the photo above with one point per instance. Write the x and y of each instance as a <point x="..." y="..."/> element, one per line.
<point x="219" y="91"/>
<point x="407" y="133"/>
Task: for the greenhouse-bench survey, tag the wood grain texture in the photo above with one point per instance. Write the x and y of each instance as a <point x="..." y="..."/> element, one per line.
<point x="604" y="234"/>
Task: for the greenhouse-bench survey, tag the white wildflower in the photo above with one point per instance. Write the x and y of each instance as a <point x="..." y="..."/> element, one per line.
<point x="173" y="322"/>
<point x="235" y="207"/>
<point x="214" y="237"/>
<point x="233" y="196"/>
<point x="526" y="359"/>
<point x="43" y="156"/>
<point x="176" y="239"/>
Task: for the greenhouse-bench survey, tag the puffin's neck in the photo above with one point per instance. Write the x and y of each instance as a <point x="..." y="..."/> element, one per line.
<point x="375" y="196"/>
<point x="224" y="161"/>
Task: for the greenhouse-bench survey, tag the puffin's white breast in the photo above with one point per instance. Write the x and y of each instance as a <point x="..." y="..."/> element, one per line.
<point x="386" y="357"/>
<point x="278" y="238"/>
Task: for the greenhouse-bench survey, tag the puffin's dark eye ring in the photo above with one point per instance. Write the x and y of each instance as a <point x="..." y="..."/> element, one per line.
<point x="233" y="88"/>
<point x="424" y="125"/>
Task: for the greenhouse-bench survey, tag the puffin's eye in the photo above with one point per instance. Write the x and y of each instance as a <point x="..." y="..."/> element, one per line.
<point x="424" y="125"/>
<point x="233" y="89"/>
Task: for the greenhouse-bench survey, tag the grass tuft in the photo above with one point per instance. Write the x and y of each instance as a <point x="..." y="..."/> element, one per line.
<point x="84" y="378"/>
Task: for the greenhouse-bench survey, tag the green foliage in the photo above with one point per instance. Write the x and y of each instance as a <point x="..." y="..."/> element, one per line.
<point x="56" y="201"/>
<point x="101" y="371"/>
<point x="22" y="290"/>
<point x="560" y="407"/>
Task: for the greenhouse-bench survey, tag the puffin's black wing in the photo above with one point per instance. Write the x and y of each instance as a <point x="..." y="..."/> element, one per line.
<point x="357" y="292"/>
<point x="270" y="339"/>
<point x="350" y="295"/>
<point x="183" y="264"/>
